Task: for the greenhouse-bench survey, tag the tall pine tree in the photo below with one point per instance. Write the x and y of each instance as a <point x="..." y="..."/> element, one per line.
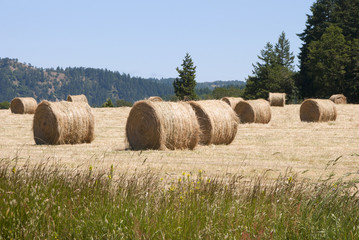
<point x="275" y="72"/>
<point x="184" y="85"/>
<point x="329" y="61"/>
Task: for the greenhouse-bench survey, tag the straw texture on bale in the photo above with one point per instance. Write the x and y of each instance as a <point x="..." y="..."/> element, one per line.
<point x="63" y="123"/>
<point x="162" y="125"/>
<point x="232" y="101"/>
<point x="77" y="98"/>
<point x="339" y="99"/>
<point x="254" y="111"/>
<point x="277" y="99"/>
<point x="217" y="120"/>
<point x="24" y="105"/>
<point x="318" y="110"/>
<point x="155" y="99"/>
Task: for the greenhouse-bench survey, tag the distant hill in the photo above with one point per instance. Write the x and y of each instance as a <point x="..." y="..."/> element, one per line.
<point x="219" y="83"/>
<point x="209" y="85"/>
<point x="20" y="80"/>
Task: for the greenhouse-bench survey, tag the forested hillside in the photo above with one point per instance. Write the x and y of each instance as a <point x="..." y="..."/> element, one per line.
<point x="19" y="80"/>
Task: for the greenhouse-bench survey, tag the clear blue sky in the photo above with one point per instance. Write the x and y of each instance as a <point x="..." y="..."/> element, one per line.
<point x="149" y="38"/>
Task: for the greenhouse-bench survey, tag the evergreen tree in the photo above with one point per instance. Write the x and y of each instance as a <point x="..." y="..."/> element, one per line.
<point x="184" y="85"/>
<point x="315" y="27"/>
<point x="274" y="73"/>
<point x="327" y="61"/>
<point x="108" y="103"/>
<point x="332" y="30"/>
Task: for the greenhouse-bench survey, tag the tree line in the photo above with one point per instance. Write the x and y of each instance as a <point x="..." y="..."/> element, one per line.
<point x="19" y="80"/>
<point x="329" y="59"/>
<point x="99" y="85"/>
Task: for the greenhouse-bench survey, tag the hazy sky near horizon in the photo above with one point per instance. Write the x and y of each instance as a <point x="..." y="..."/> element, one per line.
<point x="149" y="38"/>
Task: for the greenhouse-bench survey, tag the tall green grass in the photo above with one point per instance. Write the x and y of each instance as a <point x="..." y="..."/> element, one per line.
<point x="52" y="202"/>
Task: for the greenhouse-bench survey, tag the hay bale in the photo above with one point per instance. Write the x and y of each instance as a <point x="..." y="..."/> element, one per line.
<point x="277" y="99"/>
<point x="253" y="111"/>
<point x="23" y="105"/>
<point x="232" y="101"/>
<point x="217" y="120"/>
<point x="338" y="99"/>
<point x="162" y="125"/>
<point x="63" y="123"/>
<point x="155" y="99"/>
<point x="318" y="110"/>
<point x="77" y="98"/>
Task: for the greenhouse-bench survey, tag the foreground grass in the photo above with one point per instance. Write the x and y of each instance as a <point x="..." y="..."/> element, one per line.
<point x="50" y="202"/>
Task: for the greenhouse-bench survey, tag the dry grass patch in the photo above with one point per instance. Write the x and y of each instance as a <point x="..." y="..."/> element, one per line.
<point x="285" y="142"/>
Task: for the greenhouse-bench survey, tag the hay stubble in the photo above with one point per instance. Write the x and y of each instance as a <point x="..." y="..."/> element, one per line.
<point x="284" y="143"/>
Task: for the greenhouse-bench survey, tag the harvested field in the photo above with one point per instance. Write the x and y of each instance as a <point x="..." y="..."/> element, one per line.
<point x="284" y="143"/>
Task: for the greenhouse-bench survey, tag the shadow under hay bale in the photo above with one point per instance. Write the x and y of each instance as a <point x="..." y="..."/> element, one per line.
<point x="162" y="125"/>
<point x="217" y="120"/>
<point x="338" y="99"/>
<point x="254" y="111"/>
<point x="277" y="99"/>
<point x="232" y="101"/>
<point x="63" y="123"/>
<point x="77" y="98"/>
<point x="23" y="105"/>
<point x="318" y="110"/>
<point x="155" y="99"/>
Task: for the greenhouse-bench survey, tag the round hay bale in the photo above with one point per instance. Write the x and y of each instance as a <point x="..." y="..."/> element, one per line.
<point x="232" y="101"/>
<point x="23" y="105"/>
<point x="318" y="110"/>
<point x="155" y="99"/>
<point x="254" y="111"/>
<point x="162" y="125"/>
<point x="277" y="99"/>
<point x="77" y="98"/>
<point x="338" y="99"/>
<point x="217" y="120"/>
<point x="63" y="123"/>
